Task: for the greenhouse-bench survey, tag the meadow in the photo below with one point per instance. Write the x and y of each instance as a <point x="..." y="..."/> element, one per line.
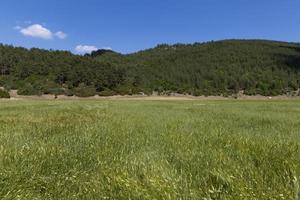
<point x="135" y="149"/>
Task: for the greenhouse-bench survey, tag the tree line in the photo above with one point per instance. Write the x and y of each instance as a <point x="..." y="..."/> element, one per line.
<point x="213" y="68"/>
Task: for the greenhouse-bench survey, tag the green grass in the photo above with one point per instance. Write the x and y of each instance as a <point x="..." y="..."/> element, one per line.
<point x="149" y="149"/>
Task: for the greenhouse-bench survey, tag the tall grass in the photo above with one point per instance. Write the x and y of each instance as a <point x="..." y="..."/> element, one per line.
<point x="149" y="149"/>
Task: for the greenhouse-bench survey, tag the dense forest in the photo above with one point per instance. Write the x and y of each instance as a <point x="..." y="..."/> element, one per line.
<point x="214" y="68"/>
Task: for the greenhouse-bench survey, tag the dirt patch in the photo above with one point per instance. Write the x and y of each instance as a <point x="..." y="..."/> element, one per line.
<point x="15" y="96"/>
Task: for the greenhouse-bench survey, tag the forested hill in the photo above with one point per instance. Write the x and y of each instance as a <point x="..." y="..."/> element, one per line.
<point x="213" y="68"/>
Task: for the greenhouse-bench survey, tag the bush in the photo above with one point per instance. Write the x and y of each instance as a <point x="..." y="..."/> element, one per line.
<point x="29" y="89"/>
<point x="2" y="81"/>
<point x="197" y="93"/>
<point x="250" y="91"/>
<point x="55" y="91"/>
<point x="136" y="90"/>
<point x="107" y="93"/>
<point x="4" y="94"/>
<point x="85" y="91"/>
<point x="124" y="90"/>
<point x="147" y="91"/>
<point x="69" y="93"/>
<point x="11" y="84"/>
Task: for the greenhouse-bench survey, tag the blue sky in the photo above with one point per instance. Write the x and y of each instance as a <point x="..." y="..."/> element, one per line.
<point x="131" y="25"/>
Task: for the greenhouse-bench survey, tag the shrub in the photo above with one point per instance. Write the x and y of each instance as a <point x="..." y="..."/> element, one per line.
<point x="197" y="93"/>
<point x="148" y="91"/>
<point x="29" y="89"/>
<point x="11" y="84"/>
<point x="2" y="80"/>
<point x="124" y="90"/>
<point x="106" y="93"/>
<point x="136" y="90"/>
<point x="4" y="94"/>
<point x="250" y="92"/>
<point x="85" y="91"/>
<point x="55" y="91"/>
<point x="69" y="93"/>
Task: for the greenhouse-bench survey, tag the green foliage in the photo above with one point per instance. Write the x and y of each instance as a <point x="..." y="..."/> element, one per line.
<point x="55" y="91"/>
<point x="147" y="91"/>
<point x="127" y="89"/>
<point x="107" y="92"/>
<point x="216" y="68"/>
<point x="30" y="89"/>
<point x="213" y="68"/>
<point x="231" y="150"/>
<point x="4" y="94"/>
<point x="85" y="91"/>
<point x="68" y="92"/>
<point x="2" y="80"/>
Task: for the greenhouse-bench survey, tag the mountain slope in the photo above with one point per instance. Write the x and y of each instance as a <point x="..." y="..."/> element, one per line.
<point x="258" y="67"/>
<point x="213" y="68"/>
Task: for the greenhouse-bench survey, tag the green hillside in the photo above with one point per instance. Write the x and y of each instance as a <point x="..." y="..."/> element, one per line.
<point x="213" y="68"/>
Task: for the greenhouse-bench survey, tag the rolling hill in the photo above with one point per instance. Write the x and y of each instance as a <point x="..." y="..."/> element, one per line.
<point x="212" y="68"/>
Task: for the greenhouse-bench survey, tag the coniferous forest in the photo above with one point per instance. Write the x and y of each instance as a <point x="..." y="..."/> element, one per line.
<point x="224" y="68"/>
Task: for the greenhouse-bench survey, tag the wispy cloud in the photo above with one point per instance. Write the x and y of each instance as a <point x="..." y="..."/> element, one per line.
<point x="17" y="27"/>
<point x="61" y="35"/>
<point x="82" y="49"/>
<point x="107" y="48"/>
<point x="39" y="31"/>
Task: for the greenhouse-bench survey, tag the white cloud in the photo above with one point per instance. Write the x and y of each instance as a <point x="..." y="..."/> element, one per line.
<point x="17" y="27"/>
<point x="82" y="49"/>
<point x="61" y="35"/>
<point x="107" y="48"/>
<point x="38" y="31"/>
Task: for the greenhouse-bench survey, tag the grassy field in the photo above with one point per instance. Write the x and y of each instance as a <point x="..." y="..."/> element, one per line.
<point x="149" y="149"/>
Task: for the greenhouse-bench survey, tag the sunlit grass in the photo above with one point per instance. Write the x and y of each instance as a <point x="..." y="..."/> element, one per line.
<point x="149" y="149"/>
